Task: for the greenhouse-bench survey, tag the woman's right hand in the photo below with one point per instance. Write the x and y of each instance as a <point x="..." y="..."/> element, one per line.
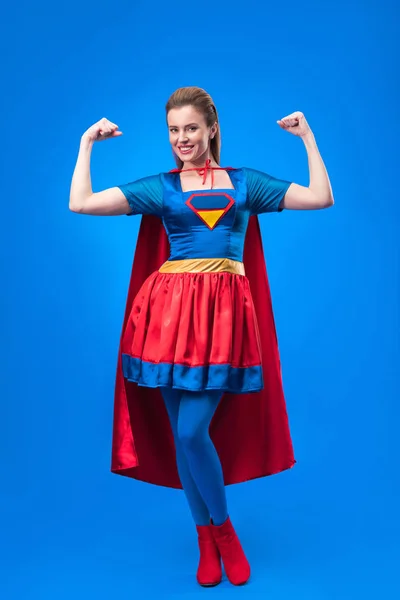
<point x="102" y="130"/>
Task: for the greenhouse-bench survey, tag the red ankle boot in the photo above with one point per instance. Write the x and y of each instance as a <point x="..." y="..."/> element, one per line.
<point x="236" y="565"/>
<point x="209" y="572"/>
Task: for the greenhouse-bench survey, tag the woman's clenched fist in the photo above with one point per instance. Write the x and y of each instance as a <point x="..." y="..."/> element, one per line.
<point x="295" y="123"/>
<point x="102" y="130"/>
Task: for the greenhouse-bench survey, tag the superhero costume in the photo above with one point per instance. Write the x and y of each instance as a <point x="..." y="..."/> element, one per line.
<point x="197" y="322"/>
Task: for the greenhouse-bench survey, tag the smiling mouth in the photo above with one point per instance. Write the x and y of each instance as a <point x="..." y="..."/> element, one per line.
<point x="186" y="149"/>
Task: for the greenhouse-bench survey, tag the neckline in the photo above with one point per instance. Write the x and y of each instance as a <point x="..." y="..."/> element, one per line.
<point x="212" y="190"/>
<point x="202" y="171"/>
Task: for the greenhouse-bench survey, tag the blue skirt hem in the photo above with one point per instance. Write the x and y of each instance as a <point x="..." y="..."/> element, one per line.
<point x="224" y="377"/>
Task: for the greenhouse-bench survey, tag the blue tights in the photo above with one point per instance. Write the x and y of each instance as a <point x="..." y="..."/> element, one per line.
<point x="199" y="466"/>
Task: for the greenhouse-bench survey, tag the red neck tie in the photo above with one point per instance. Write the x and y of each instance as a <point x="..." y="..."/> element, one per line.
<point x="203" y="171"/>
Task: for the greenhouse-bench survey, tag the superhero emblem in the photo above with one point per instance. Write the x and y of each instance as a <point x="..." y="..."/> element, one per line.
<point x="210" y="210"/>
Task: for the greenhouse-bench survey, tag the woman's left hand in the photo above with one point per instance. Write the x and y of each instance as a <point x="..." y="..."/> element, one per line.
<point x="295" y="123"/>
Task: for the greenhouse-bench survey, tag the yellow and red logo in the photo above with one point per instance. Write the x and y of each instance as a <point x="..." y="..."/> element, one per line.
<point x="210" y="207"/>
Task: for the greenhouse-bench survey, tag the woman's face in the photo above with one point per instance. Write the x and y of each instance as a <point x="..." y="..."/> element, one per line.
<point x="189" y="135"/>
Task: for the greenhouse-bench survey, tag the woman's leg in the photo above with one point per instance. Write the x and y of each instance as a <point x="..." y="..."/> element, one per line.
<point x="195" y="413"/>
<point x="201" y="476"/>
<point x="198" y="508"/>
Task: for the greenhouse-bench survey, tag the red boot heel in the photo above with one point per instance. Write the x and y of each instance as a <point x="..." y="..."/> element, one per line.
<point x="236" y="565"/>
<point x="209" y="572"/>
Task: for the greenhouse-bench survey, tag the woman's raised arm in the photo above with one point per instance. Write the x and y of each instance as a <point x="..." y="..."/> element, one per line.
<point x="82" y="199"/>
<point x="319" y="192"/>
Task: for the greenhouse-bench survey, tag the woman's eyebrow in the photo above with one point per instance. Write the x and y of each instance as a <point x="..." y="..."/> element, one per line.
<point x="189" y="125"/>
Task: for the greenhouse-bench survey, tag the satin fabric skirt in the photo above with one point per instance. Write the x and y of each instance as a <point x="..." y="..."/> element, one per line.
<point x="193" y="331"/>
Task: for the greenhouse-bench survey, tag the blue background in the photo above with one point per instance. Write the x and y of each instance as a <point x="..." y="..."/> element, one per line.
<point x="329" y="528"/>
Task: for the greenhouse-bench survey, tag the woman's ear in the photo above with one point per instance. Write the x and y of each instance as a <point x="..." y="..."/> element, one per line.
<point x="214" y="129"/>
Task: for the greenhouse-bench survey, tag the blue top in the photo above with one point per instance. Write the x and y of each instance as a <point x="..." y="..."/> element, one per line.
<point x="206" y="223"/>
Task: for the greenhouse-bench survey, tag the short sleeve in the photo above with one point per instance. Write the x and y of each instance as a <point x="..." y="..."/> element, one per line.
<point x="145" y="196"/>
<point x="264" y="192"/>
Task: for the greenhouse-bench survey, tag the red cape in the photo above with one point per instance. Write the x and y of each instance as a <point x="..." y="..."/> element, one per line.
<point x="250" y="431"/>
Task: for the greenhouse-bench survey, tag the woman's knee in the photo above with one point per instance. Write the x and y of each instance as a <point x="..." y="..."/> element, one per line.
<point x="191" y="433"/>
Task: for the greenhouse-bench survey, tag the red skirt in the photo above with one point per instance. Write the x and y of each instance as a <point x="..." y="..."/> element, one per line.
<point x="193" y="331"/>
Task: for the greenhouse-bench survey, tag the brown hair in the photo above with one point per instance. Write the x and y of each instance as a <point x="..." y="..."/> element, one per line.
<point x="202" y="101"/>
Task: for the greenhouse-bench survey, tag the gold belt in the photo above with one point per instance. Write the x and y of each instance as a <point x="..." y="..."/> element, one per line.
<point x="203" y="265"/>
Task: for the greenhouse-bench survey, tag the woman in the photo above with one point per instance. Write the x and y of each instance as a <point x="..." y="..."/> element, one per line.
<point x="199" y="401"/>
